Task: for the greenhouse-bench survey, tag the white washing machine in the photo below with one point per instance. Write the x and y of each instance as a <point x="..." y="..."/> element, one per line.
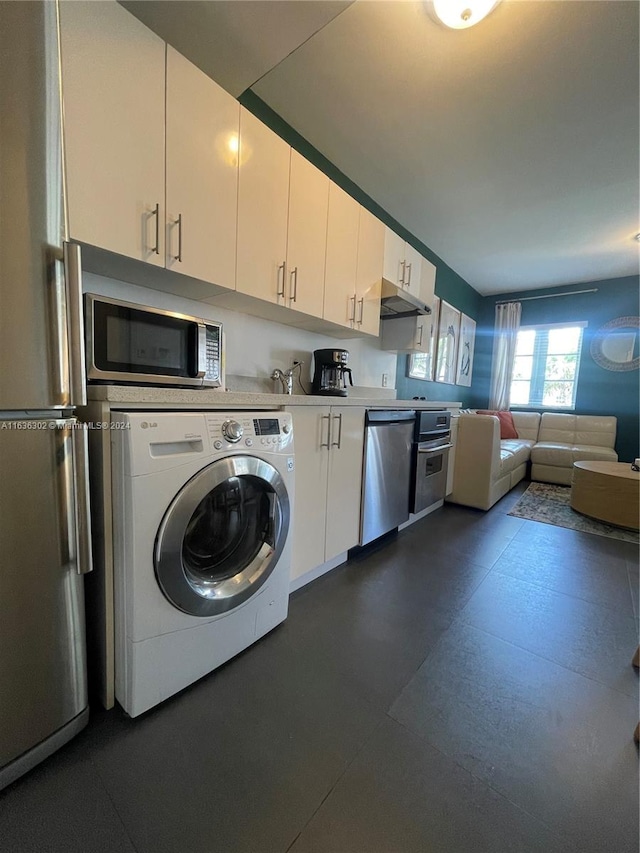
<point x="202" y="543"/>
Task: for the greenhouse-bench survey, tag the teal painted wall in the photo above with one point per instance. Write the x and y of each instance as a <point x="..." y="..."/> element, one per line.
<point x="449" y="285"/>
<point x="600" y="391"/>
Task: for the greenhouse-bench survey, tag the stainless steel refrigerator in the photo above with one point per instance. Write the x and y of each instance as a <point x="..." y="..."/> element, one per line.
<point x="44" y="510"/>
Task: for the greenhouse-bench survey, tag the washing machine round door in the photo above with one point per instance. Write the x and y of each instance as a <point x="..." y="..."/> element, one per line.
<point x="222" y="535"/>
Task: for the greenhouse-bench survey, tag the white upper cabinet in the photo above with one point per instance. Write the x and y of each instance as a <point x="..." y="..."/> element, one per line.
<point x="412" y="270"/>
<point x="405" y="267"/>
<point x="342" y="258"/>
<point x="369" y="273"/>
<point x="393" y="270"/>
<point x="306" y="236"/>
<point x="113" y="82"/>
<point x="427" y="281"/>
<point x="263" y="201"/>
<point x="202" y="174"/>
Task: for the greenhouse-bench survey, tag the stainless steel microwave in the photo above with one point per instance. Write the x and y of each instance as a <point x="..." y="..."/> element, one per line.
<point x="135" y="344"/>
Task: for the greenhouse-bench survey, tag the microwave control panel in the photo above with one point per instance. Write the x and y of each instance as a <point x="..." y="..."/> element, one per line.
<point x="213" y="349"/>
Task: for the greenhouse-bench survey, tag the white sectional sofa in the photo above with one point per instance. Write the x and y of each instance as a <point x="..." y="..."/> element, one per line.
<point x="565" y="439"/>
<point x="487" y="467"/>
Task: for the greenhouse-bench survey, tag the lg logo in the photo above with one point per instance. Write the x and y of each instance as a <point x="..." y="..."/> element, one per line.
<point x="147" y="425"/>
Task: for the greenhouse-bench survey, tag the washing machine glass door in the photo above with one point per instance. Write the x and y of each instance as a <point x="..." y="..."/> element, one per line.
<point x="222" y="535"/>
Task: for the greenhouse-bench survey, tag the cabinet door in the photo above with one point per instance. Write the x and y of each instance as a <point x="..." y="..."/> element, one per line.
<point x="393" y="269"/>
<point x="306" y="236"/>
<point x="345" y="480"/>
<point x="113" y="83"/>
<point x="310" y="435"/>
<point x="263" y="200"/>
<point x="406" y="334"/>
<point x="412" y="270"/>
<point x="369" y="273"/>
<point x="427" y="282"/>
<point x="202" y="174"/>
<point x="342" y="257"/>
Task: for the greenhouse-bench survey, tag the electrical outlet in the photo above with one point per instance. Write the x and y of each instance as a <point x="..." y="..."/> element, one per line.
<point x="385" y="380"/>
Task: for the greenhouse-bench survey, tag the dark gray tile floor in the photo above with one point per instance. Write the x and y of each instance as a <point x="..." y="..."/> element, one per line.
<point x="466" y="687"/>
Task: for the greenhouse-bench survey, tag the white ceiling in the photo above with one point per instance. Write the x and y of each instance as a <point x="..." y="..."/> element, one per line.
<point x="510" y="149"/>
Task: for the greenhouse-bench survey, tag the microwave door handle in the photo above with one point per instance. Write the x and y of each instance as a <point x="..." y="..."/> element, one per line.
<point x="438" y="449"/>
<point x="201" y="362"/>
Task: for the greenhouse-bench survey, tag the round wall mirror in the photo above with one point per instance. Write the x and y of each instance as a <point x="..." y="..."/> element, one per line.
<point x="615" y="345"/>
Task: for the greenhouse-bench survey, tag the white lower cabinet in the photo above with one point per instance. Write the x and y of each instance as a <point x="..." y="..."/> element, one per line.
<point x="329" y="443"/>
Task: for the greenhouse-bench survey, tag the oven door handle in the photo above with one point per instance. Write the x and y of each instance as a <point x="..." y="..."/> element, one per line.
<point x="435" y="435"/>
<point x="438" y="449"/>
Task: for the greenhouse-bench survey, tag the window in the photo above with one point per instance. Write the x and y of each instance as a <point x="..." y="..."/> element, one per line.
<point x="545" y="370"/>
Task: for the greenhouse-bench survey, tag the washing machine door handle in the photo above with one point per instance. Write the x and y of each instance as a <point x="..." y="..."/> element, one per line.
<point x="222" y="535"/>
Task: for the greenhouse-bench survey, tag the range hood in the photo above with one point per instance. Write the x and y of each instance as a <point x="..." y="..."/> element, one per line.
<point x="396" y="302"/>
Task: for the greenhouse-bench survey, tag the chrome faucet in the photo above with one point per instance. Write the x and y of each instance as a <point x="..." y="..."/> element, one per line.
<point x="286" y="377"/>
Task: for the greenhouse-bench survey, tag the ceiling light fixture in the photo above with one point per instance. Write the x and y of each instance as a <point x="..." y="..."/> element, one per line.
<point x="460" y="14"/>
<point x="638" y="237"/>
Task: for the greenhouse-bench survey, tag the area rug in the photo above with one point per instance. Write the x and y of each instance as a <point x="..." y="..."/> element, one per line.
<point x="549" y="504"/>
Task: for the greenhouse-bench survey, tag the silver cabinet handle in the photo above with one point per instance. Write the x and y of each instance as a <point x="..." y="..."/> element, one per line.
<point x="339" y="441"/>
<point x="72" y="258"/>
<point x="293" y="289"/>
<point x="326" y="418"/>
<point x="361" y="315"/>
<point x="178" y="222"/>
<point x="401" y="274"/>
<point x="156" y="212"/>
<point x="408" y="271"/>
<point x="419" y="344"/>
<point x="80" y="445"/>
<point x="281" y="267"/>
<point x="352" y="313"/>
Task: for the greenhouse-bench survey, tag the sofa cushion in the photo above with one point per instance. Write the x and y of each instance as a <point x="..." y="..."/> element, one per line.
<point x="527" y="424"/>
<point x="552" y="453"/>
<point x="589" y="430"/>
<point x="563" y="455"/>
<point x="508" y="462"/>
<point x="507" y="427"/>
<point x="591" y="453"/>
<point x="519" y="447"/>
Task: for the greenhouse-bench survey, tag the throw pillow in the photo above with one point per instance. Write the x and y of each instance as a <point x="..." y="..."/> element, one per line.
<point x="507" y="426"/>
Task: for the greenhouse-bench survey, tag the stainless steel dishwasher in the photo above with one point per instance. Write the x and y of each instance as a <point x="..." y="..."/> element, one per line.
<point x="388" y="440"/>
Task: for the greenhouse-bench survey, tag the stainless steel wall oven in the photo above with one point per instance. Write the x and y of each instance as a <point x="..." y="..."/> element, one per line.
<point x="432" y="442"/>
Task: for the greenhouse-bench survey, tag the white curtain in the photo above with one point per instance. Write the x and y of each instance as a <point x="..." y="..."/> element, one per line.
<point x="504" y="350"/>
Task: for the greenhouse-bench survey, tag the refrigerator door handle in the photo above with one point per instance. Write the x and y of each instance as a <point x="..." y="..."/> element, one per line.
<point x="82" y="507"/>
<point x="75" y="325"/>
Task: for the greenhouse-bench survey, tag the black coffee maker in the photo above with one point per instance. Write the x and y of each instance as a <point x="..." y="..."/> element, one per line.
<point x="331" y="372"/>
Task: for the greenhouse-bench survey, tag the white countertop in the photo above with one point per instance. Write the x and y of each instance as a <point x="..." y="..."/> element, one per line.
<point x="206" y="398"/>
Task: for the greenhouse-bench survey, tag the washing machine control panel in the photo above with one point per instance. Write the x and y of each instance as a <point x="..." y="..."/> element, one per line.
<point x="232" y="431"/>
<point x="269" y="431"/>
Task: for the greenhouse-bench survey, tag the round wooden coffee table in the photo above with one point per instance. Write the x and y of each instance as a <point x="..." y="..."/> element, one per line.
<point x="607" y="491"/>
